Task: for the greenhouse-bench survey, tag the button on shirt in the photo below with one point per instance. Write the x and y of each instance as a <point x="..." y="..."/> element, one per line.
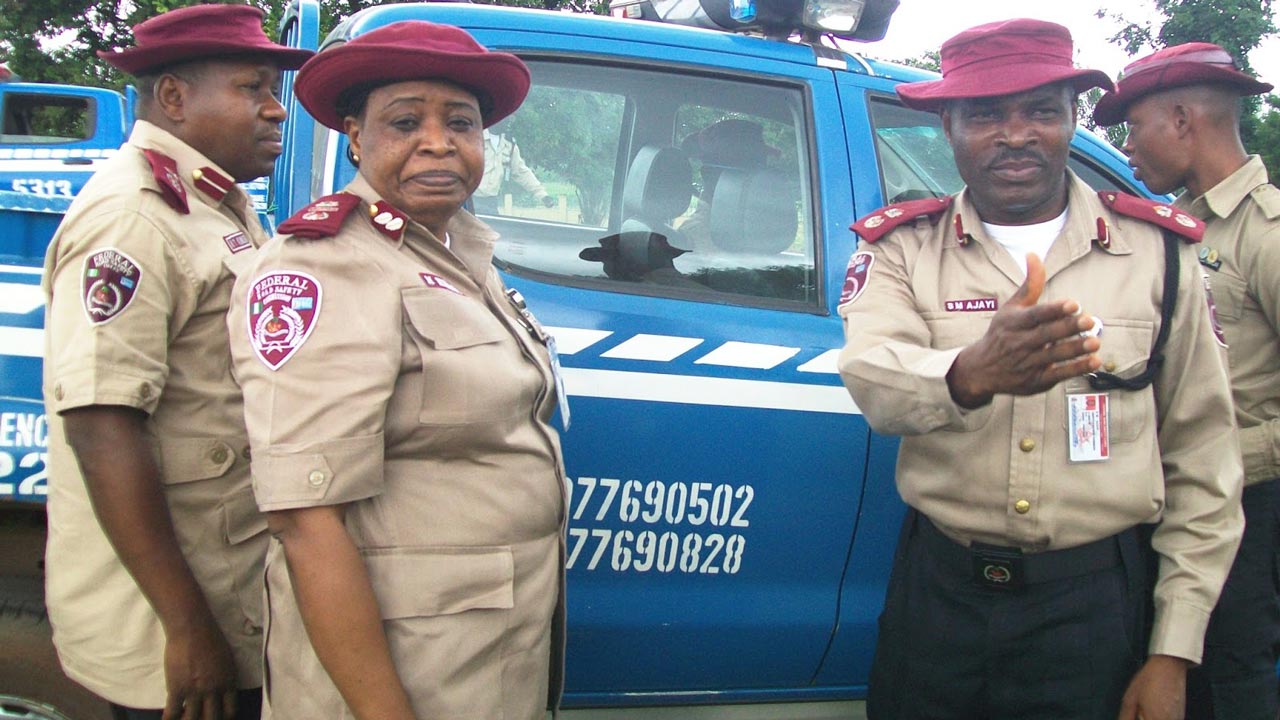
<point x="1242" y="217"/>
<point x="1000" y="473"/>
<point x="166" y="354"/>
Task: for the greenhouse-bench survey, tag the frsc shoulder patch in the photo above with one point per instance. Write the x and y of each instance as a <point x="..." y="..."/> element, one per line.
<point x="110" y="281"/>
<point x="283" y="307"/>
<point x="165" y="171"/>
<point x="321" y="218"/>
<point x="856" y="276"/>
<point x="878" y="224"/>
<point x="1160" y="214"/>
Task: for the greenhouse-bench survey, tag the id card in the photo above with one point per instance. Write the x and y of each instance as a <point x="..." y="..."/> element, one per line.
<point x="1088" y="430"/>
<point x="561" y="398"/>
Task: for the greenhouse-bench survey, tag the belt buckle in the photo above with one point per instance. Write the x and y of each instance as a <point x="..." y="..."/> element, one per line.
<point x="997" y="568"/>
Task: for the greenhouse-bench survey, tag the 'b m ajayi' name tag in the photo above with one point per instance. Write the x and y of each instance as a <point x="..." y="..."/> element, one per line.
<point x="1088" y="431"/>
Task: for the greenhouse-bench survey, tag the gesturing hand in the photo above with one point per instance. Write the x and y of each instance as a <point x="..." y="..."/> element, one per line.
<point x="1027" y="349"/>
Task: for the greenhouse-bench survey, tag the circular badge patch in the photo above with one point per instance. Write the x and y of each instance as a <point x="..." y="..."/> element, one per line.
<point x="110" y="281"/>
<point x="283" y="307"/>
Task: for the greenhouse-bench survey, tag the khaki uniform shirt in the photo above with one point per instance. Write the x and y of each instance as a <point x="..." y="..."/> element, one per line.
<point x="1000" y="473"/>
<point x="1241" y="253"/>
<point x="153" y="337"/>
<point x="421" y="399"/>
<point x="503" y="164"/>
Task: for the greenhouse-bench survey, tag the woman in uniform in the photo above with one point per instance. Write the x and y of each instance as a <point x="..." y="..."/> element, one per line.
<point x="398" y="400"/>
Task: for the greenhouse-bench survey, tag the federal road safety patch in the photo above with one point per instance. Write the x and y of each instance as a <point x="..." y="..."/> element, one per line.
<point x="856" y="276"/>
<point x="1213" y="312"/>
<point x="283" y="307"/>
<point x="110" y="281"/>
<point x="435" y="281"/>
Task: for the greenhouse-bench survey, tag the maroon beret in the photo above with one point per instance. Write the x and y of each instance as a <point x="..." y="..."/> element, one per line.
<point x="1197" y="63"/>
<point x="1002" y="58"/>
<point x="201" y="32"/>
<point x="412" y="50"/>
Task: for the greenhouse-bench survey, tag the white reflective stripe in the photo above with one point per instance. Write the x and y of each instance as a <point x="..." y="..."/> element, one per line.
<point x="23" y="269"/>
<point x="22" y="342"/>
<point x="723" y="392"/>
<point x="20" y="298"/>
<point x="661" y="348"/>
<point x="573" y="340"/>
<point x="748" y="355"/>
<point x="824" y="363"/>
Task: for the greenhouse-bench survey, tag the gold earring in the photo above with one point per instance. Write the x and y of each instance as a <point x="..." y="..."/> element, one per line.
<point x="355" y="157"/>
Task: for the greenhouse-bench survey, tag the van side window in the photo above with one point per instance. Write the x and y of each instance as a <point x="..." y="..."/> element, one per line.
<point x="696" y="188"/>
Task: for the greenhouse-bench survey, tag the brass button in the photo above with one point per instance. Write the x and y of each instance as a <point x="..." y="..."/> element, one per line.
<point x="219" y="455"/>
<point x="1027" y="444"/>
<point x="1109" y="366"/>
<point x="144" y="391"/>
<point x="57" y="392"/>
<point x="316" y="478"/>
<point x="244" y="453"/>
<point x="1022" y="506"/>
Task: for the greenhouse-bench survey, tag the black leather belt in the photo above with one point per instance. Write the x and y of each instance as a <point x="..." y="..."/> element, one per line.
<point x="1006" y="568"/>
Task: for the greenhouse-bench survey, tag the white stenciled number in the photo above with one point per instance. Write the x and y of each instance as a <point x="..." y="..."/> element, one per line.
<point x="646" y="544"/>
<point x="715" y="543"/>
<point x="629" y="507"/>
<point x="699" y="504"/>
<point x="677" y="496"/>
<point x="611" y="485"/>
<point x="733" y="553"/>
<point x="604" y="536"/>
<point x="668" y="551"/>
<point x="579" y="538"/>
<point x="691" y="551"/>
<point x="655" y="492"/>
<point x="590" y="484"/>
<point x="746" y="494"/>
<point x="622" y="550"/>
<point x="6" y="469"/>
<point x="34" y="484"/>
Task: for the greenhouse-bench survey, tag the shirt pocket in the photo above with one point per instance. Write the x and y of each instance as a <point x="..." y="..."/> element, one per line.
<point x="950" y="330"/>
<point x="1228" y="294"/>
<point x="464" y="353"/>
<point x="1126" y="348"/>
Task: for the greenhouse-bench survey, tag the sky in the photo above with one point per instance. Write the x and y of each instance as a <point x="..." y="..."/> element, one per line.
<point x="922" y="25"/>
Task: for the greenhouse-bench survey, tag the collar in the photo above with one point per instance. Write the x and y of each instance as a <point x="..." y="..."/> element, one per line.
<point x="189" y="164"/>
<point x="1223" y="199"/>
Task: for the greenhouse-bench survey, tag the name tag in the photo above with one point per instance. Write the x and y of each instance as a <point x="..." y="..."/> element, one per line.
<point x="1088" y="429"/>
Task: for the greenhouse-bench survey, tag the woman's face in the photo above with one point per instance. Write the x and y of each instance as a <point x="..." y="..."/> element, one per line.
<point x="421" y="147"/>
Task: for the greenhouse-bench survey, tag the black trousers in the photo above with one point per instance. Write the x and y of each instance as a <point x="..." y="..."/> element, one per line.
<point x="952" y="648"/>
<point x="248" y="707"/>
<point x="1237" y="680"/>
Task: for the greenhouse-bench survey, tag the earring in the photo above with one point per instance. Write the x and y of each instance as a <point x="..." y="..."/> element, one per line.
<point x="355" y="157"/>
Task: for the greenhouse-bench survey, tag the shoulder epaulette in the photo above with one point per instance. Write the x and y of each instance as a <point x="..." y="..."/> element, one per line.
<point x="165" y="171"/>
<point x="879" y="223"/>
<point x="1164" y="215"/>
<point x="321" y="218"/>
<point x="1268" y="198"/>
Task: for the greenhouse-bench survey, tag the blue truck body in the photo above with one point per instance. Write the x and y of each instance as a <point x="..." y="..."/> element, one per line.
<point x="732" y="517"/>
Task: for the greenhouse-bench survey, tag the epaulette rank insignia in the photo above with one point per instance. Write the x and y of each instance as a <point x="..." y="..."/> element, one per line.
<point x="321" y="218"/>
<point x="165" y="171"/>
<point x="1161" y="214"/>
<point x="388" y="220"/>
<point x="879" y="223"/>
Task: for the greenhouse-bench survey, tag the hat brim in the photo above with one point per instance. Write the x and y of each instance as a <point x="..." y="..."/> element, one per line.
<point x="138" y="60"/>
<point x="502" y="77"/>
<point x="930" y="95"/>
<point x="1112" y="107"/>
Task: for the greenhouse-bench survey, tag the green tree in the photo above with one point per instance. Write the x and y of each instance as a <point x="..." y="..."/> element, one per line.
<point x="1239" y="26"/>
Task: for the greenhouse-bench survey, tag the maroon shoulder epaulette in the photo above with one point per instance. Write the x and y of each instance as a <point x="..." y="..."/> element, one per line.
<point x="1164" y="215"/>
<point x="165" y="171"/>
<point x="321" y="218"/>
<point x="879" y="223"/>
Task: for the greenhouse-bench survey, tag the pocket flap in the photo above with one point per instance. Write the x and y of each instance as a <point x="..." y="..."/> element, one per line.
<point x="425" y="582"/>
<point x="241" y="518"/>
<point x="448" y="321"/>
<point x="184" y="460"/>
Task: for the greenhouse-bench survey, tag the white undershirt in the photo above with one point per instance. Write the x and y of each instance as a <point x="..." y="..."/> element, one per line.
<point x="1019" y="240"/>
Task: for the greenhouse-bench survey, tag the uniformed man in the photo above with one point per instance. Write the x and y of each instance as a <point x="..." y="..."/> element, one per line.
<point x="1182" y="105"/>
<point x="1048" y="408"/>
<point x="155" y="548"/>
<point x="503" y="165"/>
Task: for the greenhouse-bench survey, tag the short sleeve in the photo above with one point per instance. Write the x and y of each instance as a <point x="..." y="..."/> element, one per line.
<point x="316" y="343"/>
<point x="115" y="288"/>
